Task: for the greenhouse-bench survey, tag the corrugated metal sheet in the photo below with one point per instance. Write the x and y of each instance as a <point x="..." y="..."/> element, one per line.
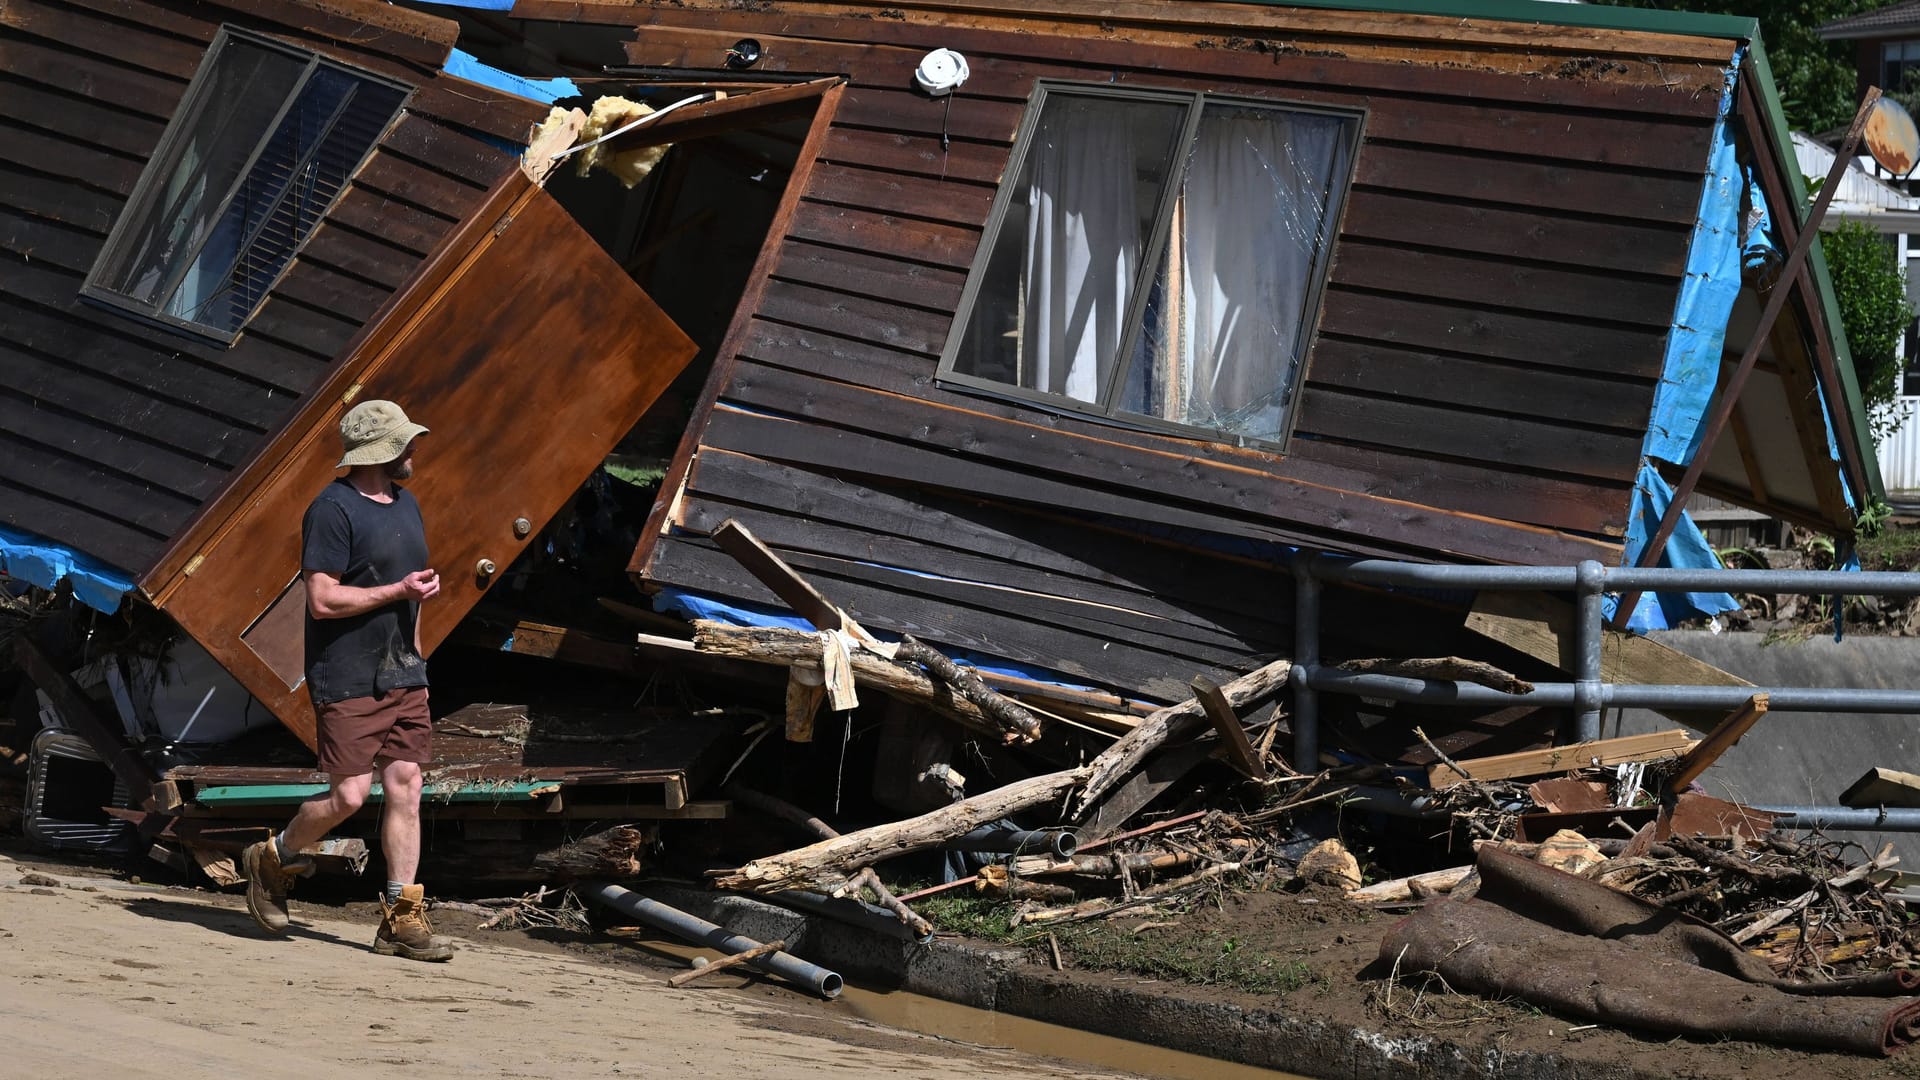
<point x="1900" y="453"/>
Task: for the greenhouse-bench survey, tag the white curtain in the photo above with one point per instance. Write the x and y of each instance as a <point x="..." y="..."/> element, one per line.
<point x="1254" y="214"/>
<point x="1082" y="250"/>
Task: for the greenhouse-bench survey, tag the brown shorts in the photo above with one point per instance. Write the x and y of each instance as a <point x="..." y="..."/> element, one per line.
<point x="356" y="733"/>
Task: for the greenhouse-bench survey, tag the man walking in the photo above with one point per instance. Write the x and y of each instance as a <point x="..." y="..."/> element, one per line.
<point x="363" y="551"/>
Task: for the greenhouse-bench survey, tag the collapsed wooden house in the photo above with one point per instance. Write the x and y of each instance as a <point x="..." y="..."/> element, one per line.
<point x="1036" y="332"/>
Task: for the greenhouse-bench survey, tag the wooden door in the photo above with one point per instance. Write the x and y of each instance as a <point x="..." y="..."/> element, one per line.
<point x="527" y="351"/>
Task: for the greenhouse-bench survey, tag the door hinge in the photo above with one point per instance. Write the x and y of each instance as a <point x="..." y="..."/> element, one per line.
<point x="501" y="225"/>
<point x="192" y="565"/>
<point x="352" y="392"/>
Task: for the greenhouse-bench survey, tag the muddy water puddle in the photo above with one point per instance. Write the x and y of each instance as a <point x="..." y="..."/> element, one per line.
<point x="982" y="1027"/>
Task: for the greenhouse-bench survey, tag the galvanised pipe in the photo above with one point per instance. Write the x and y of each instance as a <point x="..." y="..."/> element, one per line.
<point x="1306" y="657"/>
<point x="1615" y="578"/>
<point x="1061" y="843"/>
<point x="1590" y="576"/>
<point x="849" y="910"/>
<point x="1888" y="819"/>
<point x="1635" y="696"/>
<point x="701" y="932"/>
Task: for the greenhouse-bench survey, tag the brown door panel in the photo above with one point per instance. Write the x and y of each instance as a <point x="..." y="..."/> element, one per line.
<point x="526" y="350"/>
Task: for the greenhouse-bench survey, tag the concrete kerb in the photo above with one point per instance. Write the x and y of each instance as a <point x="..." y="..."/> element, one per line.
<point x="1004" y="981"/>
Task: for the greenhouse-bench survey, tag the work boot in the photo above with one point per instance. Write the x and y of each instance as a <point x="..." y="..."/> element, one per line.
<point x="268" y="882"/>
<point x="404" y="930"/>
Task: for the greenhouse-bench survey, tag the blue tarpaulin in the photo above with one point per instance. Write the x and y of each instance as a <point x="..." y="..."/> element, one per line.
<point x="467" y="66"/>
<point x="1695" y="344"/>
<point x="41" y="562"/>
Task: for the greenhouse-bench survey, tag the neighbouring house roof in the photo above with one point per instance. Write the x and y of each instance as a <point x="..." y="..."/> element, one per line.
<point x="1881" y="22"/>
<point x="1861" y="196"/>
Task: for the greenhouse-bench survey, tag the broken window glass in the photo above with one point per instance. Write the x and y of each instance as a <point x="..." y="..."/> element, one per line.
<point x="1159" y="257"/>
<point x="264" y="141"/>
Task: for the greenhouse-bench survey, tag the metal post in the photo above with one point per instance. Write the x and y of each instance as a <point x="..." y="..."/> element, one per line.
<point x="1060" y="843"/>
<point x="1306" y="658"/>
<point x="1587" y="637"/>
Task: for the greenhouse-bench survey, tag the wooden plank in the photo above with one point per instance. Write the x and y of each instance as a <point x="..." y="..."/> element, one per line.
<point x="918" y="155"/>
<point x="83" y="164"/>
<point x="870" y="275"/>
<point x="122" y="41"/>
<point x="370" y="258"/>
<point x="1416" y="322"/>
<point x="1225" y="722"/>
<point x="905" y="110"/>
<point x="390" y="219"/>
<point x="397" y="178"/>
<point x="29" y="411"/>
<point x="879" y="321"/>
<point x="111" y="129"/>
<point x="966" y="539"/>
<point x="1441" y="378"/>
<point x="1450" y="223"/>
<point x="427" y="141"/>
<point x="1558" y="759"/>
<point x="1179" y="604"/>
<point x="148" y="95"/>
<point x="1513" y="441"/>
<point x="901" y="605"/>
<point x="112" y="494"/>
<point x="1577" y="298"/>
<point x="318" y="286"/>
<point x="56" y="199"/>
<point x="1718" y="741"/>
<point x="382" y="29"/>
<point x="77" y="526"/>
<point x="1045" y="450"/>
<point x="1162" y="771"/>
<point x="925" y="198"/>
<point x="1543" y="628"/>
<point x="1582" y="506"/>
<point x="792" y="589"/>
<point x="169" y="381"/>
<point x="314" y="330"/>
<point x="1519" y="182"/>
<point x="1883" y="787"/>
<point x="944" y="246"/>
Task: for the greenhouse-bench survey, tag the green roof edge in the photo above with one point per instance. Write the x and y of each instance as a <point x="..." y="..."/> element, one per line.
<point x="1596" y="16"/>
<point x="1856" y="409"/>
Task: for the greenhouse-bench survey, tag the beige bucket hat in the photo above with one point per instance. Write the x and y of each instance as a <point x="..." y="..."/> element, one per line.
<point x="374" y="433"/>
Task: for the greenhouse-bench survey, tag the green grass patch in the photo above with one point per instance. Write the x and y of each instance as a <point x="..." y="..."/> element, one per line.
<point x="1207" y="958"/>
<point x="637" y="475"/>
<point x="1891" y="549"/>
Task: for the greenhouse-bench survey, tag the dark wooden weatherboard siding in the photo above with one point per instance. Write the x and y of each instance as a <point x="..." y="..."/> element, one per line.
<point x="1490" y="337"/>
<point x="115" y="433"/>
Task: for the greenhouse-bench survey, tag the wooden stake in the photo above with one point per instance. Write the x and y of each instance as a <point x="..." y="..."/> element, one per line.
<point x="1227" y="723"/>
<point x="1718" y="741"/>
<point x="726" y="962"/>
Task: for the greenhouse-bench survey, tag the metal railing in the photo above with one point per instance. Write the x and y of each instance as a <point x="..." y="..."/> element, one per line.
<point x="1588" y="693"/>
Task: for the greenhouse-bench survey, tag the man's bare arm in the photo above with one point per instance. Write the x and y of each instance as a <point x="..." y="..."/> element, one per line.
<point x="328" y="599"/>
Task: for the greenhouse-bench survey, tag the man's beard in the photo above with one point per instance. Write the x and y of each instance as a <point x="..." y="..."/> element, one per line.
<point x="400" y="470"/>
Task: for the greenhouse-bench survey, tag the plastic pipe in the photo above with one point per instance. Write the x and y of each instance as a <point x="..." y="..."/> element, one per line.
<point x="701" y="932"/>
<point x="1062" y="843"/>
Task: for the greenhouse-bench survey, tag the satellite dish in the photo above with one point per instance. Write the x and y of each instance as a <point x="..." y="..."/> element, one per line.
<point x="1891" y="137"/>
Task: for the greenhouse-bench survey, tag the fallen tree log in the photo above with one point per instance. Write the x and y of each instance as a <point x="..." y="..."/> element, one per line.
<point x="1016" y="723"/>
<point x="1159" y="727"/>
<point x="614" y="853"/>
<point x="865" y="879"/>
<point x="785" y="647"/>
<point x="828" y="864"/>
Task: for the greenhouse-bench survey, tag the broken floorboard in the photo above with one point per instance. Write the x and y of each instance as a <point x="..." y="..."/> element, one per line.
<point x="646" y="764"/>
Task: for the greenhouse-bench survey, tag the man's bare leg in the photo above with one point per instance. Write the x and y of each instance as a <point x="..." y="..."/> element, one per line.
<point x="400" y="785"/>
<point x="319" y="814"/>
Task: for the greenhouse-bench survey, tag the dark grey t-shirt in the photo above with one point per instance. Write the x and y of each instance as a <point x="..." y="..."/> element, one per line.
<point x="364" y="544"/>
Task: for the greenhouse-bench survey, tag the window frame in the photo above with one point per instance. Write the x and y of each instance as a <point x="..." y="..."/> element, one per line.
<point x="1109" y="413"/>
<point x="142" y="201"/>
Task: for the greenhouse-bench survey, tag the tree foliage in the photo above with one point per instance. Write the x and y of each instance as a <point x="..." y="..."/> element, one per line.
<point x="1816" y="78"/>
<point x="1872" y="290"/>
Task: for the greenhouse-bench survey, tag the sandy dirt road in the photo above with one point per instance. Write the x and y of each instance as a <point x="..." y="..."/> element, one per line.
<point x="135" y="982"/>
